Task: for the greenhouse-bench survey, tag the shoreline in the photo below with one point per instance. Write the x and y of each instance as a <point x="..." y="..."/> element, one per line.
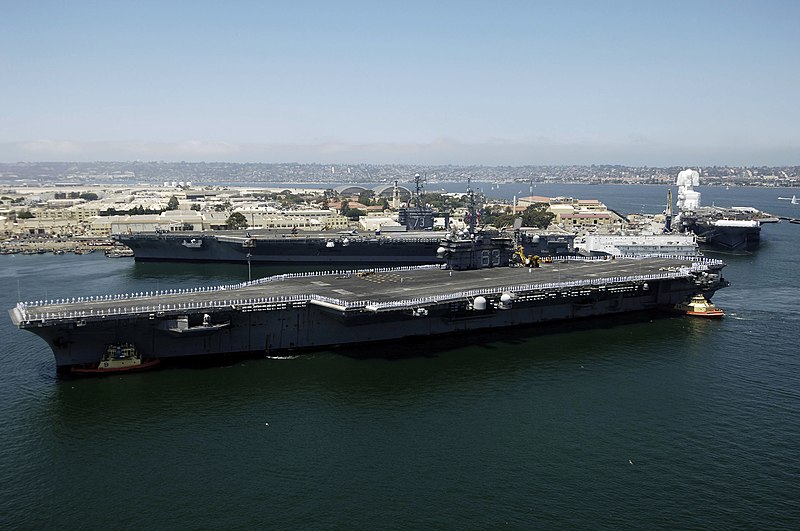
<point x="56" y="245"/>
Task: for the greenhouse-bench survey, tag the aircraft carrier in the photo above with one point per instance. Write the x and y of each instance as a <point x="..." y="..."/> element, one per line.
<point x="268" y="247"/>
<point x="412" y="243"/>
<point x="344" y="248"/>
<point x="320" y="310"/>
<point x="730" y="229"/>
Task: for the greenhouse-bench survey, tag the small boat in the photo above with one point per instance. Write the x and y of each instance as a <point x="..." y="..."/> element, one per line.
<point x="119" y="253"/>
<point x="117" y="359"/>
<point x="698" y="306"/>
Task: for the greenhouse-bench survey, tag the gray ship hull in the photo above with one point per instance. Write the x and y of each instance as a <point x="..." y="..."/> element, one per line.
<point x="261" y="247"/>
<point x="729" y="239"/>
<point x="333" y="249"/>
<point x="296" y="312"/>
<point x="733" y="230"/>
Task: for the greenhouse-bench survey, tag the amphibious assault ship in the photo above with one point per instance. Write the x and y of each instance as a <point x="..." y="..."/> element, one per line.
<point x="475" y="290"/>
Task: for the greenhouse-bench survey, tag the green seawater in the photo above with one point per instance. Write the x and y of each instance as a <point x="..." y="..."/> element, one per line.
<point x="674" y="423"/>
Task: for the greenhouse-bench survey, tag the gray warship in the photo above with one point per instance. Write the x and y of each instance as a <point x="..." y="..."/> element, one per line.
<point x="476" y="289"/>
<point x="317" y="248"/>
<point x="730" y="229"/>
<point x="415" y="244"/>
<point x="271" y="247"/>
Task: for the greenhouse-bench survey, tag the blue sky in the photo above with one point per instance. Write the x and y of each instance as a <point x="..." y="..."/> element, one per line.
<point x="492" y="83"/>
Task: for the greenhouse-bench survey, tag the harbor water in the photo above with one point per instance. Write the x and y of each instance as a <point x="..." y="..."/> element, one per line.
<point x="671" y="423"/>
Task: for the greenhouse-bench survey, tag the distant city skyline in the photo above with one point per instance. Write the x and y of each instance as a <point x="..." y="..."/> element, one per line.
<point x="503" y="83"/>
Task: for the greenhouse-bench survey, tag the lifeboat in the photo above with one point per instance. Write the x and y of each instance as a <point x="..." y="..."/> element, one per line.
<point x="698" y="306"/>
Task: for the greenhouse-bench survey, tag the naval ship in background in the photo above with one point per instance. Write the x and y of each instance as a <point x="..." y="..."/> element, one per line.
<point x="414" y="242"/>
<point x="318" y="248"/>
<point x="730" y="229"/>
<point x="281" y="247"/>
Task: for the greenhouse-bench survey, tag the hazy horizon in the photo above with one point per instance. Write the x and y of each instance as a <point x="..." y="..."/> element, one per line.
<point x="462" y="83"/>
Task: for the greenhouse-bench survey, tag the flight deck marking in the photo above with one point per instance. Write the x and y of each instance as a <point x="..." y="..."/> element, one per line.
<point x="343" y="292"/>
<point x="380" y="278"/>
